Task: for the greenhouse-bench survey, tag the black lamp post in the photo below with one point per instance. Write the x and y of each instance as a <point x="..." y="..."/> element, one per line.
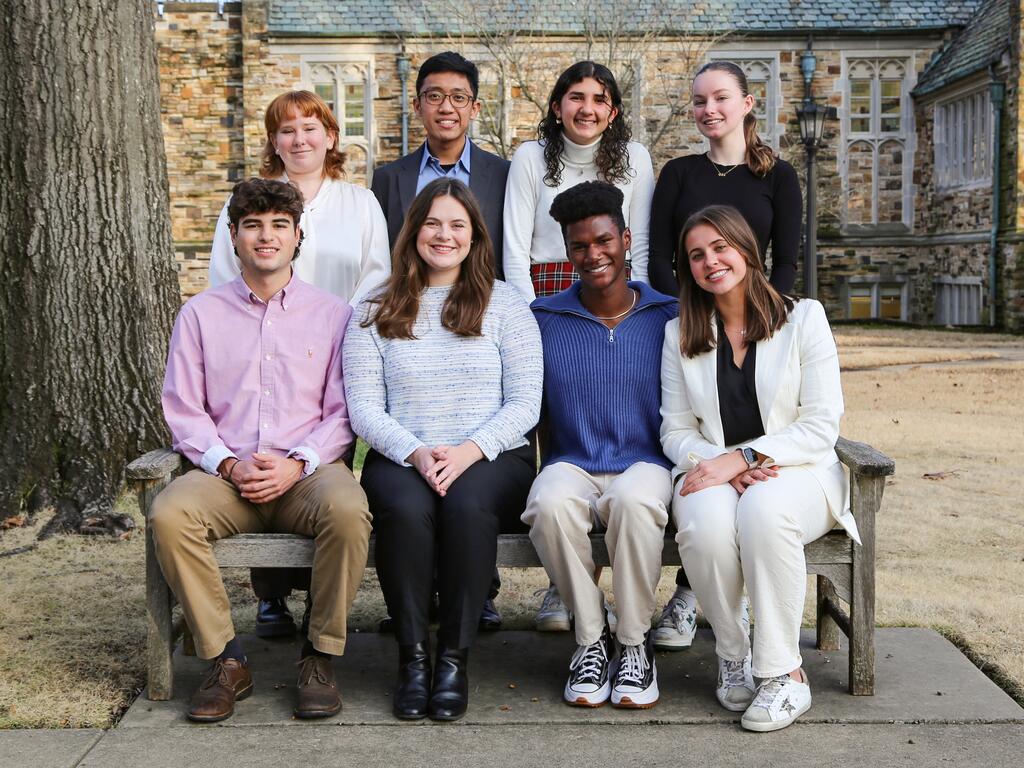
<point x="812" y="117"/>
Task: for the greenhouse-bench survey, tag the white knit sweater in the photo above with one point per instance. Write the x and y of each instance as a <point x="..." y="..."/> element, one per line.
<point x="533" y="237"/>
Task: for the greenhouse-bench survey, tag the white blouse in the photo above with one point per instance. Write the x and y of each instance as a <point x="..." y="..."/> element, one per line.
<point x="533" y="237"/>
<point x="344" y="248"/>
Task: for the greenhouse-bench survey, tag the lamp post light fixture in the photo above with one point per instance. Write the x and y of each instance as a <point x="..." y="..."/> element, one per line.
<point x="812" y="117"/>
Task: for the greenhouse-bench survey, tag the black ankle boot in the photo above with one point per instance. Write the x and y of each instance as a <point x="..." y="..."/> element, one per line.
<point x="450" y="694"/>
<point x="413" y="689"/>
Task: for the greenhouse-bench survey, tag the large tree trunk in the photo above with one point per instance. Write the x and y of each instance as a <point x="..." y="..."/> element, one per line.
<point x="87" y="277"/>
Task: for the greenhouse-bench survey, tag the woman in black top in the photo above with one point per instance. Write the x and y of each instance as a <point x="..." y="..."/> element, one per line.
<point x="739" y="170"/>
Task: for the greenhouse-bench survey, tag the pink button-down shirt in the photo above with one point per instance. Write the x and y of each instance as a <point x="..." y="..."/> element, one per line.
<point x="245" y="376"/>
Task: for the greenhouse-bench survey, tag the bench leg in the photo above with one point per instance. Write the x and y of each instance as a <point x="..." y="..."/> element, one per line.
<point x="866" y="493"/>
<point x="828" y="630"/>
<point x="159" y="631"/>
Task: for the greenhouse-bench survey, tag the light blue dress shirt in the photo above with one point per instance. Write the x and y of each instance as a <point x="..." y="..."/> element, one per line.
<point x="430" y="168"/>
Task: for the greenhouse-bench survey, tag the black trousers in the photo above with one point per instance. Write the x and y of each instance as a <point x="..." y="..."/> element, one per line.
<point x="417" y="530"/>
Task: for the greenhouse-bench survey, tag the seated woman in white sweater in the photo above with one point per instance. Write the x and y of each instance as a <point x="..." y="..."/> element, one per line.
<point x="584" y="137"/>
<point x="751" y="402"/>
<point x="443" y="375"/>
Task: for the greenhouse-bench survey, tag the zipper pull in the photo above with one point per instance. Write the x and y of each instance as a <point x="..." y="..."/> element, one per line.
<point x="611" y="335"/>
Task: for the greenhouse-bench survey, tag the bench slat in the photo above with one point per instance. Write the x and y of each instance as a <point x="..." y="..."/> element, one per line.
<point x="862" y="459"/>
<point x="284" y="550"/>
<point x="154" y="465"/>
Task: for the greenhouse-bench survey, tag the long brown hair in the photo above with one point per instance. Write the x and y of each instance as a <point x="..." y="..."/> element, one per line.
<point x="612" y="157"/>
<point x="306" y="104"/>
<point x="760" y="157"/>
<point x="767" y="309"/>
<point x="399" y="303"/>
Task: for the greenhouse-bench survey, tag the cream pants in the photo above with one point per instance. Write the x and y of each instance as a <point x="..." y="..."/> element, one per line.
<point x="727" y="540"/>
<point x="565" y="504"/>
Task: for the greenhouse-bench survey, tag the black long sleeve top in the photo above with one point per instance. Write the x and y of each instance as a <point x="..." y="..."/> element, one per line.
<point x="772" y="205"/>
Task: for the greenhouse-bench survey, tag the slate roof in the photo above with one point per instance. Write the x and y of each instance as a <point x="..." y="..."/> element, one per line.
<point x="980" y="43"/>
<point x="334" y="18"/>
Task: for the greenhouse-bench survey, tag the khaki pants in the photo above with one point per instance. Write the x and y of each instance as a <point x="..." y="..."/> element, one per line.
<point x="198" y="508"/>
<point x="565" y="504"/>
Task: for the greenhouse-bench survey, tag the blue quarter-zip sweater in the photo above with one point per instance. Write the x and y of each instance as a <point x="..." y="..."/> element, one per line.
<point x="602" y="388"/>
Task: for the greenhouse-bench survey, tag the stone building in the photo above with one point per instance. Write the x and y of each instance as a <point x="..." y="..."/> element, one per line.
<point x="906" y="177"/>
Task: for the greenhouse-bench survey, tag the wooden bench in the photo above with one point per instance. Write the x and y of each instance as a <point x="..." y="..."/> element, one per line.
<point x="845" y="572"/>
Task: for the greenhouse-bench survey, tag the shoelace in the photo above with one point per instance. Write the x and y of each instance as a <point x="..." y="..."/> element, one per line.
<point x="633" y="664"/>
<point x="732" y="673"/>
<point x="308" y="668"/>
<point x="218" y="675"/>
<point x="768" y="690"/>
<point x="589" y="660"/>
<point x="676" y="613"/>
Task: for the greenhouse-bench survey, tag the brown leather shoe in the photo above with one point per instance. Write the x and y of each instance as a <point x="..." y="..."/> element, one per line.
<point x="227" y="681"/>
<point x="318" y="693"/>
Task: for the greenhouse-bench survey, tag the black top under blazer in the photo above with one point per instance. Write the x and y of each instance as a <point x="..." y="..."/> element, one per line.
<point x="394" y="186"/>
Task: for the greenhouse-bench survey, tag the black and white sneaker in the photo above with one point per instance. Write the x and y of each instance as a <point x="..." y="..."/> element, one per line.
<point x="636" y="680"/>
<point x="589" y="682"/>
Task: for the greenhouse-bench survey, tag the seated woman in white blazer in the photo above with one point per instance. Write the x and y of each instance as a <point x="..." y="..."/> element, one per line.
<point x="751" y="403"/>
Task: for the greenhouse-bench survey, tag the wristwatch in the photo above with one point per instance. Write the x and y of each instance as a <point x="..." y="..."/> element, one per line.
<point x="750" y="456"/>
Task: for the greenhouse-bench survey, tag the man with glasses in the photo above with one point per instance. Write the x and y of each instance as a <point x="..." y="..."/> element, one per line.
<point x="446" y="101"/>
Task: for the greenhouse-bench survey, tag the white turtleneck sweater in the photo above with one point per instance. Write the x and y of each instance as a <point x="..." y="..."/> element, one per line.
<point x="533" y="237"/>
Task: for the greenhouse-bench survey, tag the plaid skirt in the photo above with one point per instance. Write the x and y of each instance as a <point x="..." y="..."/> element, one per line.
<point x="554" y="277"/>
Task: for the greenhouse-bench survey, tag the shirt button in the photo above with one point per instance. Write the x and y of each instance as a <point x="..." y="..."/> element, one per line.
<point x="266" y="426"/>
<point x="270" y="357"/>
<point x="270" y="322"/>
<point x="266" y="391"/>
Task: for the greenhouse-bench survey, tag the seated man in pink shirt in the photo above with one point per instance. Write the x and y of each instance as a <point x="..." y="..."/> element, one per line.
<point x="254" y="398"/>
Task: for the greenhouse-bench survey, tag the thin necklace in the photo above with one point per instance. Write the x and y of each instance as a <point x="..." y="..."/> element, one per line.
<point x="718" y="170"/>
<point x="628" y="309"/>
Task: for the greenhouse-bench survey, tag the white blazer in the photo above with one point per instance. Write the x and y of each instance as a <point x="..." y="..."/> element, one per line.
<point x="798" y="394"/>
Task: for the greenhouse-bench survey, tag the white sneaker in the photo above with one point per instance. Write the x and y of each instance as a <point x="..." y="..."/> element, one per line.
<point x="735" y="688"/>
<point x="678" y="622"/>
<point x="589" y="683"/>
<point x="779" y="701"/>
<point x="553" y="615"/>
<point x="636" y="679"/>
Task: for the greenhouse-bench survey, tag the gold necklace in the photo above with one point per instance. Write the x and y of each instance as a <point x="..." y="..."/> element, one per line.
<point x="718" y="170"/>
<point x="621" y="314"/>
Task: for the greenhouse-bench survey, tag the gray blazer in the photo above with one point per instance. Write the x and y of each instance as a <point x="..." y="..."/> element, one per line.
<point x="394" y="185"/>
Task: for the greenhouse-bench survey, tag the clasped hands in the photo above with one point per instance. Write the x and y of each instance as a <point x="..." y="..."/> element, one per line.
<point x="728" y="468"/>
<point x="264" y="477"/>
<point x="442" y="465"/>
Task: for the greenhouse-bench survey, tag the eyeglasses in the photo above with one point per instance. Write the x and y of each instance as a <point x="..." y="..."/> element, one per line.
<point x="436" y="98"/>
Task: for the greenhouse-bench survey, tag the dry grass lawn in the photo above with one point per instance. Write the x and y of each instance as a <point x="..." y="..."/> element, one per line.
<point x="950" y="550"/>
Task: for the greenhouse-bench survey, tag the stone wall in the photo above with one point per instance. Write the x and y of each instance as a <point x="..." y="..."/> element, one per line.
<point x="215" y="136"/>
<point x="200" y="59"/>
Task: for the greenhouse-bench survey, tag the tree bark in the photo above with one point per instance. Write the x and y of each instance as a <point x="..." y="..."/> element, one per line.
<point x="88" y="288"/>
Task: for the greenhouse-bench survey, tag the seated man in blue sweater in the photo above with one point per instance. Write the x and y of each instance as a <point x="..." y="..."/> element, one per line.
<point x="603" y="463"/>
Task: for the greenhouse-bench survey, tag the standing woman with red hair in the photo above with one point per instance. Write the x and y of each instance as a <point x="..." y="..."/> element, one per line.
<point x="345" y="237"/>
<point x="344" y="250"/>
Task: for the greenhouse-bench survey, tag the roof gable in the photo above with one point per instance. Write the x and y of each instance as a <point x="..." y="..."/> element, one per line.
<point x="981" y="43"/>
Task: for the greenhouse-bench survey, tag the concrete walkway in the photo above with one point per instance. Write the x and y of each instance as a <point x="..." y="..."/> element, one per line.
<point x="932" y="707"/>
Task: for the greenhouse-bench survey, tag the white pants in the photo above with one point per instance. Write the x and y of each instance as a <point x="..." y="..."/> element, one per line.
<point x="726" y="540"/>
<point x="565" y="504"/>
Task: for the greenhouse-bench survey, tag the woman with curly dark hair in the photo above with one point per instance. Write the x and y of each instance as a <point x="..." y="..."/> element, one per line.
<point x="583" y="137"/>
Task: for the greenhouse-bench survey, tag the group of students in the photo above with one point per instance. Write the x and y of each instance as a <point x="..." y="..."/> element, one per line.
<point x="669" y="376"/>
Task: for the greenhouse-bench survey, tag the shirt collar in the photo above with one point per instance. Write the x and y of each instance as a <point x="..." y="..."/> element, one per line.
<point x="428" y="156"/>
<point x="569" y="299"/>
<point x="286" y="295"/>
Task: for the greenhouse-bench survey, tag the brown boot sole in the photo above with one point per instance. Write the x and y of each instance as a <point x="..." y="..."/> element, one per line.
<point x="243" y="694"/>
<point x="316" y="713"/>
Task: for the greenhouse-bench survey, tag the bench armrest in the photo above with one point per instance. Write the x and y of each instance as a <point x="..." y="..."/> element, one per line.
<point x="862" y="459"/>
<point x="155" y="465"/>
